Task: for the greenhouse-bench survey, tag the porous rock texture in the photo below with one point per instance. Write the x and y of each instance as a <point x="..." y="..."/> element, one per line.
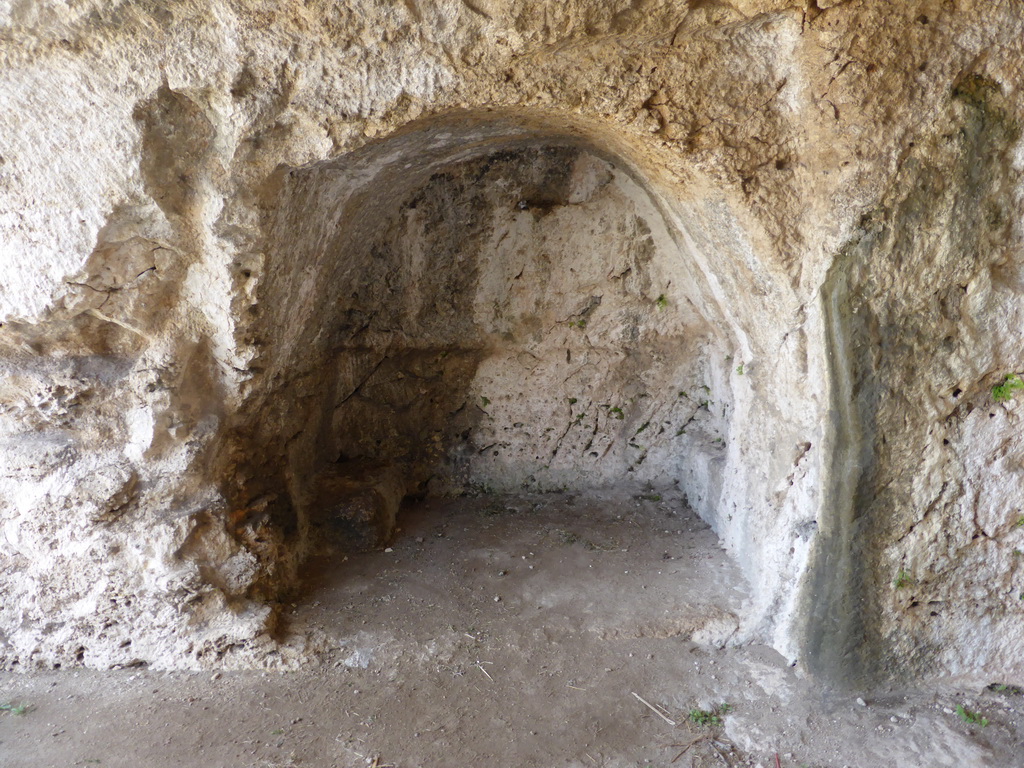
<point x="768" y="254"/>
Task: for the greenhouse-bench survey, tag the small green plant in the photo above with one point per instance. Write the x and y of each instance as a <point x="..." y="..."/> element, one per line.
<point x="1003" y="392"/>
<point x="616" y="412"/>
<point x="644" y="426"/>
<point x="902" y="580"/>
<point x="974" y="718"/>
<point x="581" y="323"/>
<point x="573" y="401"/>
<point x="15" y="709"/>
<point x="739" y="369"/>
<point x="1020" y="522"/>
<point x="661" y="301"/>
<point x="709" y="717"/>
<point x="649" y="497"/>
<point x="485" y="400"/>
<point x="1009" y="690"/>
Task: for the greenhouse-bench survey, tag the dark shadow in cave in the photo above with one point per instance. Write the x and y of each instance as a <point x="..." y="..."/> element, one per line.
<point x="483" y="306"/>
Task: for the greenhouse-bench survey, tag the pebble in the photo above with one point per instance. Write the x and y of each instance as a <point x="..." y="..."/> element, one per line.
<point x="861" y="702"/>
<point x="389" y="549"/>
<point x="497" y="599"/>
<point x="894" y="719"/>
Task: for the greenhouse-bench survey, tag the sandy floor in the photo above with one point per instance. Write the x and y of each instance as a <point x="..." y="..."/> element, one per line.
<point x="557" y="630"/>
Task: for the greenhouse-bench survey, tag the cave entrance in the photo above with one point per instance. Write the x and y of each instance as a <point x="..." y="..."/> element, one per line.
<point x="485" y="309"/>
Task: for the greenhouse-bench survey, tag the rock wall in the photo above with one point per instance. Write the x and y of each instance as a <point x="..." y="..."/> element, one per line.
<point x="244" y="241"/>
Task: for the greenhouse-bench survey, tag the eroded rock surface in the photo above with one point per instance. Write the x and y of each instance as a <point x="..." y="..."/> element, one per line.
<point x="764" y="254"/>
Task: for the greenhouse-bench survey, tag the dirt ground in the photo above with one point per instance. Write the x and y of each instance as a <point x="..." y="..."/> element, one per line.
<point x="550" y="630"/>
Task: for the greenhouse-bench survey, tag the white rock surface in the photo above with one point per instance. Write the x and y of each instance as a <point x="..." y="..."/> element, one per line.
<point x="219" y="221"/>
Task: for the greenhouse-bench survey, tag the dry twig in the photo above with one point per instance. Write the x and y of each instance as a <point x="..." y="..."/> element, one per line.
<point x="653" y="709"/>
<point x="720" y="753"/>
<point x="686" y="747"/>
<point x="479" y="665"/>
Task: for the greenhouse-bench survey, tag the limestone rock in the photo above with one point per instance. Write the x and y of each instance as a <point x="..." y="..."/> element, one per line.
<point x="768" y="254"/>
